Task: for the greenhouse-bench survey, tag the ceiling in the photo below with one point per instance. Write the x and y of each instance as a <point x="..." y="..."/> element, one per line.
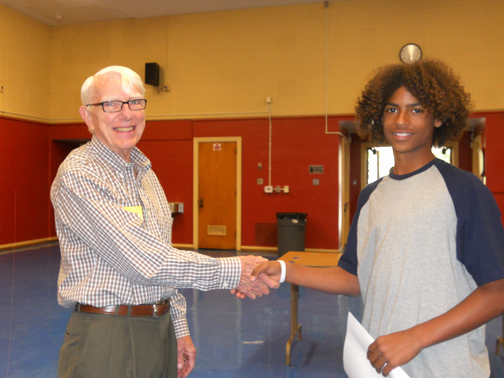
<point x="62" y="12"/>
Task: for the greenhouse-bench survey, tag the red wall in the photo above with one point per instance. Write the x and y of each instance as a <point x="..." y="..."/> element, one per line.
<point x="24" y="151"/>
<point x="169" y="146"/>
<point x="494" y="152"/>
<point x="172" y="161"/>
<point x="31" y="153"/>
<point x="297" y="143"/>
<point x="494" y="149"/>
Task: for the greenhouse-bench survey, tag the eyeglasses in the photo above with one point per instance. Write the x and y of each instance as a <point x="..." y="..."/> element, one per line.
<point x="116" y="106"/>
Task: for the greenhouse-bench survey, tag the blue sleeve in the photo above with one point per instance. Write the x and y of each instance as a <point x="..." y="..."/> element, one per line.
<point x="480" y="234"/>
<point x="348" y="260"/>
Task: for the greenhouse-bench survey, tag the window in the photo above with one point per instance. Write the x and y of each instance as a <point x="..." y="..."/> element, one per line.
<point x="380" y="159"/>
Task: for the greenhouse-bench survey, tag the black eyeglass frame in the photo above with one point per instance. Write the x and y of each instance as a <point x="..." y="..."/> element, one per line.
<point x="122" y="104"/>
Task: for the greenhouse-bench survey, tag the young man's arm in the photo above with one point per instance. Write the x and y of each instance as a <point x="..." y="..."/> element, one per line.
<point x="331" y="280"/>
<point x="396" y="349"/>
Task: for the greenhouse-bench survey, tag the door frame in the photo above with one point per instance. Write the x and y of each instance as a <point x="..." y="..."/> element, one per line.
<point x="196" y="142"/>
<point x="344" y="191"/>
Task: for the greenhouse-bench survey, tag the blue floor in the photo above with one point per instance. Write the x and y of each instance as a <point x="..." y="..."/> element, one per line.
<point x="234" y="338"/>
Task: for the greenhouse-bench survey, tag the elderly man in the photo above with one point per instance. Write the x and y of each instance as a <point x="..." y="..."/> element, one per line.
<point x="118" y="267"/>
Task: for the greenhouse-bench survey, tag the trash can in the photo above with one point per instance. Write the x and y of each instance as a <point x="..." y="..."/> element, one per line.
<point x="291" y="232"/>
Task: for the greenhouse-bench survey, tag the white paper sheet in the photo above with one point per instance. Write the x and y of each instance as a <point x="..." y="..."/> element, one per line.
<point x="355" y="360"/>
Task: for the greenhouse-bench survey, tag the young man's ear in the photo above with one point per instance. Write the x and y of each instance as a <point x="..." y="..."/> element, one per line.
<point x="437" y="123"/>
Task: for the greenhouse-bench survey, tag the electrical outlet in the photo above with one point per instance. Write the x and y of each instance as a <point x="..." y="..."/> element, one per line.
<point x="268" y="189"/>
<point x="286" y="189"/>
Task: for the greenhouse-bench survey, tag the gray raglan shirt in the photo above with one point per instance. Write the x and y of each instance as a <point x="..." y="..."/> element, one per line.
<point x="420" y="244"/>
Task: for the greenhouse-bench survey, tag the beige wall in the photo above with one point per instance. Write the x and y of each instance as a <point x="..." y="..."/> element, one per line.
<point x="79" y="51"/>
<point x="228" y="62"/>
<point x="24" y="65"/>
<point x="468" y="34"/>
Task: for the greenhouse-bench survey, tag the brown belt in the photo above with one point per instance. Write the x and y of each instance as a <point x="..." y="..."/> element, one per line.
<point x="152" y="310"/>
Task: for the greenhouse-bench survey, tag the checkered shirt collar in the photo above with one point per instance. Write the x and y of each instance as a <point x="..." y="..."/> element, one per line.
<point x="136" y="156"/>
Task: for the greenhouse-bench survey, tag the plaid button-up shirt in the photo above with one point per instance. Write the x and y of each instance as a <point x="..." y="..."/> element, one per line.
<point x="114" y="227"/>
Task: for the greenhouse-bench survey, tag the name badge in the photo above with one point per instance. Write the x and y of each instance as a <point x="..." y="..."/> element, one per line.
<point x="135" y="210"/>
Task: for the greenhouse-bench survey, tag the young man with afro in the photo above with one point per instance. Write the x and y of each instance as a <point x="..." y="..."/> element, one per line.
<point x="426" y="246"/>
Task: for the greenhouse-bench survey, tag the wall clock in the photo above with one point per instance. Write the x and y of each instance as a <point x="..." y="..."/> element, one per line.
<point x="410" y="53"/>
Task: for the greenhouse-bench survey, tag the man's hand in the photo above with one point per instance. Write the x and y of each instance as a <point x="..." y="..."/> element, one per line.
<point x="270" y="269"/>
<point x="396" y="349"/>
<point x="267" y="279"/>
<point x="252" y="289"/>
<point x="186" y="356"/>
<point x="391" y="351"/>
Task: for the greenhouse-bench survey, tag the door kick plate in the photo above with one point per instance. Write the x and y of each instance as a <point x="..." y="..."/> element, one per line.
<point x="216" y="230"/>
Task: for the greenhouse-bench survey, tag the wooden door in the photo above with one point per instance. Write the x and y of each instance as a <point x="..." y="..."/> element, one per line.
<point x="217" y="195"/>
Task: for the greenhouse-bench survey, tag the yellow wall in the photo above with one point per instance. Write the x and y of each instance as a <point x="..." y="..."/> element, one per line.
<point x="467" y="34"/>
<point x="228" y="62"/>
<point x="231" y="61"/>
<point x="79" y="51"/>
<point x="24" y="65"/>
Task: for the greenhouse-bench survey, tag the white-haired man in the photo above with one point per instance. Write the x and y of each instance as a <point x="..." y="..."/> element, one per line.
<point x="118" y="267"/>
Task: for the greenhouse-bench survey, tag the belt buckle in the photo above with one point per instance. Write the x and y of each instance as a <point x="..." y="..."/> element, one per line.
<point x="155" y="310"/>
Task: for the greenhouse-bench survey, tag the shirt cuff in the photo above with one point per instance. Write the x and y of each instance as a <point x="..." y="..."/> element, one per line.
<point x="230" y="272"/>
<point x="178" y="315"/>
<point x="181" y="328"/>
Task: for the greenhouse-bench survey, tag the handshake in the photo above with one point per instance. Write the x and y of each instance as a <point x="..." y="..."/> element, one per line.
<point x="258" y="275"/>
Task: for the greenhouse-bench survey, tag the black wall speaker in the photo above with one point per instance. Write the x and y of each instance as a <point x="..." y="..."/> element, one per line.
<point x="152" y="74"/>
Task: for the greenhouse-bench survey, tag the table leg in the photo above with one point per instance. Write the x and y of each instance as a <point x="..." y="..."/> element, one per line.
<point x="295" y="327"/>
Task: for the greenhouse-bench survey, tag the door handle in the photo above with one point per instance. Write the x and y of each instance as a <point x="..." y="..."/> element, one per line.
<point x="200" y="202"/>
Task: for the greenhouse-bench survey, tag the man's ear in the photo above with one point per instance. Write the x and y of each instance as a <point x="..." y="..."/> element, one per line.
<point x="437" y="123"/>
<point x="86" y="117"/>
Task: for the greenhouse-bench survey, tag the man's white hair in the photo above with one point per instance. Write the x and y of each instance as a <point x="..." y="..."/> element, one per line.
<point x="130" y="82"/>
